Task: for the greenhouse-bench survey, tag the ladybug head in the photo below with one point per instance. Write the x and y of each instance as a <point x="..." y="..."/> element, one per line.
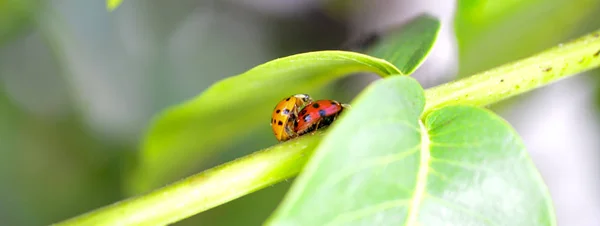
<point x="303" y="97"/>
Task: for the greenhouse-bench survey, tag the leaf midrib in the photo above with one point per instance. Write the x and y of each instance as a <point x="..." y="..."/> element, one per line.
<point x="423" y="171"/>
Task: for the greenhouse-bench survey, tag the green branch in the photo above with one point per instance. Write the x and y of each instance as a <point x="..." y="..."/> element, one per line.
<point x="518" y="77"/>
<point x="207" y="189"/>
<point x="229" y="181"/>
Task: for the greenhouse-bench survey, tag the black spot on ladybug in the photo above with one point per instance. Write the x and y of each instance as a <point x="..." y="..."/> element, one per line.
<point x="307" y="118"/>
<point x="315" y="105"/>
<point x="322" y="113"/>
<point x="286" y="111"/>
<point x="334" y="103"/>
<point x="288" y="99"/>
<point x="277" y="111"/>
<point x="280" y="123"/>
<point x="303" y="111"/>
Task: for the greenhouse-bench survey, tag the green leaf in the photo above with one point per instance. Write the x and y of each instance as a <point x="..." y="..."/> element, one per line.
<point x="380" y="164"/>
<point x="407" y="47"/>
<point x="113" y="4"/>
<point x="184" y="134"/>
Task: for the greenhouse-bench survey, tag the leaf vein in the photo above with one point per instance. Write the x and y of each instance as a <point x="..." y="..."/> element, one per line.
<point x="439" y="175"/>
<point x="367" y="211"/>
<point x="421" y="184"/>
<point x="461" y="209"/>
<point x="383" y="160"/>
<point x="462" y="165"/>
<point x="456" y="145"/>
<point x="368" y="64"/>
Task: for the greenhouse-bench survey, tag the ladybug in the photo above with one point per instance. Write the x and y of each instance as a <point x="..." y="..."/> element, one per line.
<point x="318" y="114"/>
<point x="285" y="113"/>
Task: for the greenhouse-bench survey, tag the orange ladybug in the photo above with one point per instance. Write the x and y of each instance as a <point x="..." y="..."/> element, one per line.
<point x="285" y="114"/>
<point x="318" y="114"/>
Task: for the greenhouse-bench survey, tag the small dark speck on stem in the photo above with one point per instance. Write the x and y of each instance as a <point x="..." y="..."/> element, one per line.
<point x="564" y="68"/>
<point x="548" y="69"/>
<point x="501" y="80"/>
<point x="597" y="53"/>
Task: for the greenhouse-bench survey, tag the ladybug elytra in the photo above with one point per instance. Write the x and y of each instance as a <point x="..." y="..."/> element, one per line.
<point x="285" y="114"/>
<point x="318" y="114"/>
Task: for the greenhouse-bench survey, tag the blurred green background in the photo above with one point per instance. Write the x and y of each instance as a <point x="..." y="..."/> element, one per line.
<point x="78" y="86"/>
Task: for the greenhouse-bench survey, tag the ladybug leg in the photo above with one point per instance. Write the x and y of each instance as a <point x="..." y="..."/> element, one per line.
<point x="289" y="130"/>
<point x="316" y="128"/>
<point x="336" y="116"/>
<point x="293" y="133"/>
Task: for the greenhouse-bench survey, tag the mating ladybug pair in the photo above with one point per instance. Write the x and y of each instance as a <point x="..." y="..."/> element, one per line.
<point x="299" y="114"/>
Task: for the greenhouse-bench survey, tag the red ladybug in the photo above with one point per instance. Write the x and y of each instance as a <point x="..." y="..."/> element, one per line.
<point x="318" y="114"/>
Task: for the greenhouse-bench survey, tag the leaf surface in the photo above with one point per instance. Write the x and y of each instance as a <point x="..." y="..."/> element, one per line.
<point x="408" y="46"/>
<point x="380" y="164"/>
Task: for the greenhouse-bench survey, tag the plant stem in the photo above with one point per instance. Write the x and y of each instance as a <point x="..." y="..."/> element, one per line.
<point x="261" y="169"/>
<point x="207" y="189"/>
<point x="518" y="77"/>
